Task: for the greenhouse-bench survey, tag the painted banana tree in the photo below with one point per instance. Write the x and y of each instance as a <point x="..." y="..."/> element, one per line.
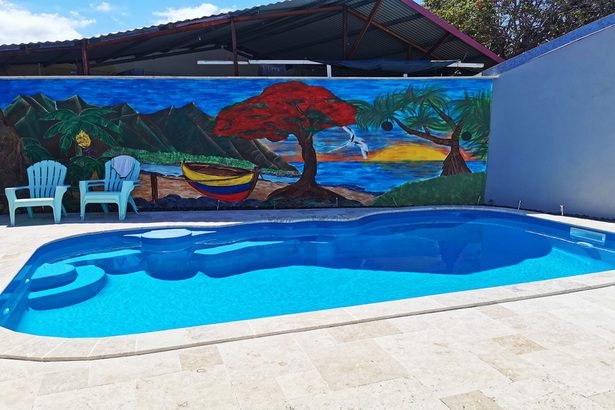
<point x="429" y="113"/>
<point x="79" y="128"/>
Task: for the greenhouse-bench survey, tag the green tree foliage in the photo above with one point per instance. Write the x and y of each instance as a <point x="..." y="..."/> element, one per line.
<point x="89" y="120"/>
<point x="429" y="113"/>
<point x="34" y="150"/>
<point x="512" y="27"/>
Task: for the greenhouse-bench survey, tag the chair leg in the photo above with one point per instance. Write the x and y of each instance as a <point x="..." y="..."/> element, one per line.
<point x="132" y="203"/>
<point x="105" y="208"/>
<point x="12" y="213"/>
<point x="57" y="214"/>
<point x="29" y="208"/>
<point x="82" y="205"/>
<point x="122" y="209"/>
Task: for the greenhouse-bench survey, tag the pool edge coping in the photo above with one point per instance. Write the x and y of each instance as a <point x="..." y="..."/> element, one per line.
<point x="183" y="338"/>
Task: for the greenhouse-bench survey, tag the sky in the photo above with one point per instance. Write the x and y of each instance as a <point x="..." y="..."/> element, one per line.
<point x="43" y="20"/>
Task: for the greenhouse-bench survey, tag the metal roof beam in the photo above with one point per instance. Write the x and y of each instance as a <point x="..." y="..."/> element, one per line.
<point x="368" y="22"/>
<point x="391" y="33"/>
<point x="30" y="51"/>
<point x="127" y="47"/>
<point x="172" y="28"/>
<point x="438" y="44"/>
<point x="259" y="33"/>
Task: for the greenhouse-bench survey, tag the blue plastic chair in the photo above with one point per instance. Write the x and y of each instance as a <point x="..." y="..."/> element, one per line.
<point x="46" y="186"/>
<point x="121" y="176"/>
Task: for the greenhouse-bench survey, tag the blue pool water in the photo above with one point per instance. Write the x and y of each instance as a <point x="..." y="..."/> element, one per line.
<point x="137" y="281"/>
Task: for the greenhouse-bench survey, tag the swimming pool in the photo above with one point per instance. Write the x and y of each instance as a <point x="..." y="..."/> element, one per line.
<point x="147" y="280"/>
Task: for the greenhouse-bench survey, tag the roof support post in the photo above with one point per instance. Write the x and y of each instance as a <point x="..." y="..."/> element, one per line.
<point x="409" y="52"/>
<point x="368" y="22"/>
<point x="344" y="32"/>
<point x="234" y="41"/>
<point x="84" y="57"/>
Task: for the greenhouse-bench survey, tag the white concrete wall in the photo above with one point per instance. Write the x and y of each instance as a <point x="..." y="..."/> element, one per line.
<point x="552" y="138"/>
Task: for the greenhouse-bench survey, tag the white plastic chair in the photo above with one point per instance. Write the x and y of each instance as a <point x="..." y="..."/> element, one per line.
<point x="121" y="176"/>
<point x="46" y="186"/>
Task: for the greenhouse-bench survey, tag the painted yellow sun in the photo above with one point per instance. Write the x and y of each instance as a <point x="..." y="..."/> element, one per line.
<point x="407" y="152"/>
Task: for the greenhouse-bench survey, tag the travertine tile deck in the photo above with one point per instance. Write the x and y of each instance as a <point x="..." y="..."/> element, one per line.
<point x="508" y="347"/>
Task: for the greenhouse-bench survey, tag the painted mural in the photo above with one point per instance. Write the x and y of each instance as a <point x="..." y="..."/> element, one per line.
<point x="263" y="143"/>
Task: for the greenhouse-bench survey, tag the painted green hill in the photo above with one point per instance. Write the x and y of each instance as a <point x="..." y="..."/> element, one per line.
<point x="185" y="129"/>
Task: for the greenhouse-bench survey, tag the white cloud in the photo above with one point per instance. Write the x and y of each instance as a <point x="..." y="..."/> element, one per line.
<point x="104" y="6"/>
<point x="20" y="25"/>
<point x="205" y="9"/>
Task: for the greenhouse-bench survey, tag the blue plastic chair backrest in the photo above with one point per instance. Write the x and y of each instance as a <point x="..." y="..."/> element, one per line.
<point x="44" y="177"/>
<point x="113" y="180"/>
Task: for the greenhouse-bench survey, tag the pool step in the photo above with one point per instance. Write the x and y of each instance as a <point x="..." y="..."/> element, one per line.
<point x="233" y="259"/>
<point x="89" y="281"/>
<point x="52" y="275"/>
<point x="116" y="262"/>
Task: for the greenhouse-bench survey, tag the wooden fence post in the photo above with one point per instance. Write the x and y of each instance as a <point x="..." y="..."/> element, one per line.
<point x="154" y="185"/>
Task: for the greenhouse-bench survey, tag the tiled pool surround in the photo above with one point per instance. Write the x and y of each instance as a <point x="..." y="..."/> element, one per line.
<point x="18" y="243"/>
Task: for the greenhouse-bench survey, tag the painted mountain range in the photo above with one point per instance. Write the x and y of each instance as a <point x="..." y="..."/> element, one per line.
<point x="186" y="130"/>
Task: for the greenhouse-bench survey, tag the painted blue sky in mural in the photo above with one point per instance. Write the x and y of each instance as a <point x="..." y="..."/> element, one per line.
<point x="148" y="95"/>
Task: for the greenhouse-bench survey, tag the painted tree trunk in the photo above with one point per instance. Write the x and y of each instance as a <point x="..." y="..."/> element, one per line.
<point x="310" y="162"/>
<point x="306" y="191"/>
<point x="454" y="163"/>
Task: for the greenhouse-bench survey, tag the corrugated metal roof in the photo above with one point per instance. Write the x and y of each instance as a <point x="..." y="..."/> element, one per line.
<point x="291" y="29"/>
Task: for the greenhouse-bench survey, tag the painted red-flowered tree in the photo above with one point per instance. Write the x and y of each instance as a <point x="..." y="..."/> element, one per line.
<point x="282" y="110"/>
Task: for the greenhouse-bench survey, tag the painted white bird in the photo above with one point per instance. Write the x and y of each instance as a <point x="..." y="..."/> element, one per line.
<point x="354" y="141"/>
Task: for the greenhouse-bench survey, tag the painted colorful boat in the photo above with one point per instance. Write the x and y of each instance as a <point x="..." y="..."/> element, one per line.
<point x="221" y="182"/>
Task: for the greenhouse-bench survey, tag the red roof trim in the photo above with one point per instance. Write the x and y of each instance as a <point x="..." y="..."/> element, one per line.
<point x="428" y="14"/>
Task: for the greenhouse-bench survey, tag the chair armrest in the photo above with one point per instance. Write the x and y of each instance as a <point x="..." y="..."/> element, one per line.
<point x="61" y="190"/>
<point x="127" y="187"/>
<point x="17" y="188"/>
<point x="11" y="194"/>
<point x="85" y="185"/>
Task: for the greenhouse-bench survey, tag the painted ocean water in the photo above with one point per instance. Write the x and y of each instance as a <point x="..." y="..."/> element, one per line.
<point x="364" y="176"/>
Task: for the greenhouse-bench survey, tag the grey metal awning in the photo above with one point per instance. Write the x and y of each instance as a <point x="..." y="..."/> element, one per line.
<point x="294" y="29"/>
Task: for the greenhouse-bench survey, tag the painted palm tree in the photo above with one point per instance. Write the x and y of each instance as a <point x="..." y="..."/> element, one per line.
<point x="428" y="112"/>
<point x="75" y="127"/>
<point x="476" y="110"/>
